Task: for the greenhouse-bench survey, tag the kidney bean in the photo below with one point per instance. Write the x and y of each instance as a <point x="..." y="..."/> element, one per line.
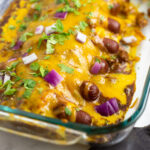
<point x="113" y="25"/>
<point x="83" y="117"/>
<point x="111" y="45"/>
<point x="89" y="91"/>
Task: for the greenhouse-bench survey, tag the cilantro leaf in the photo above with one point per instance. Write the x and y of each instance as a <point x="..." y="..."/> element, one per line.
<point x="38" y="7"/>
<point x="34" y="66"/>
<point x="12" y="27"/>
<point x="77" y="3"/>
<point x="22" y="27"/>
<point x="27" y="93"/>
<point x="43" y="72"/>
<point x="67" y="111"/>
<point x="49" y="47"/>
<point x="65" y="68"/>
<point x="46" y="57"/>
<point x="23" y="38"/>
<point x="29" y="83"/>
<point x="97" y="60"/>
<point x="59" y="26"/>
<point x="13" y="66"/>
<point x="9" y="90"/>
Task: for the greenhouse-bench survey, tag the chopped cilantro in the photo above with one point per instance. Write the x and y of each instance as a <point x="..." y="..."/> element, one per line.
<point x="103" y="57"/>
<point x="40" y="90"/>
<point x="12" y="44"/>
<point x="65" y="68"/>
<point x="110" y="6"/>
<point x="49" y="47"/>
<point x="77" y="109"/>
<point x="18" y="21"/>
<point x="9" y="90"/>
<point x="12" y="27"/>
<point x="33" y="1"/>
<point x="29" y="49"/>
<point x="42" y="18"/>
<point x="97" y="60"/>
<point x="1" y="82"/>
<point x="44" y="37"/>
<point x="67" y="111"/>
<point x="62" y="1"/>
<point x="34" y="74"/>
<point x="36" y="17"/>
<point x="22" y="27"/>
<point x="27" y="93"/>
<point x="46" y="57"/>
<point x="23" y="38"/>
<point x="113" y="57"/>
<point x="17" y="79"/>
<point x="67" y="8"/>
<point x="77" y="3"/>
<point x="59" y="26"/>
<point x="43" y="72"/>
<point x="29" y="83"/>
<point x="38" y="7"/>
<point x="13" y="66"/>
<point x="13" y="74"/>
<point x="34" y="66"/>
<point x="102" y="18"/>
<point x="83" y="25"/>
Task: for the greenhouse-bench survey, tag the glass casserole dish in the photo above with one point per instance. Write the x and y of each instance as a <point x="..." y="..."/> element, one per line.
<point x="55" y="131"/>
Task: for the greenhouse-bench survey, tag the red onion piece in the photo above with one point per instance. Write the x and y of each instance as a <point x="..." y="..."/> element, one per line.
<point x="17" y="45"/>
<point x="25" y="54"/>
<point x="39" y="29"/>
<point x="53" y="78"/>
<point x="61" y="15"/>
<point x="12" y="59"/>
<point x="108" y="108"/>
<point x="96" y="68"/>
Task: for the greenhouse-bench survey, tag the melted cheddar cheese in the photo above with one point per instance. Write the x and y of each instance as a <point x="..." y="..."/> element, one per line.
<point x="43" y="97"/>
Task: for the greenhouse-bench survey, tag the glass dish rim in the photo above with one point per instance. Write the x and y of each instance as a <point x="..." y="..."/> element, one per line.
<point x="90" y="130"/>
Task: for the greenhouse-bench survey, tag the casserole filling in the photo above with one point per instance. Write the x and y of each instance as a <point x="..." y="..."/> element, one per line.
<point x="70" y="59"/>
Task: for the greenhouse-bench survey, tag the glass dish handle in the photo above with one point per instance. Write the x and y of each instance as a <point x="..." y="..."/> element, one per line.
<point x="39" y="130"/>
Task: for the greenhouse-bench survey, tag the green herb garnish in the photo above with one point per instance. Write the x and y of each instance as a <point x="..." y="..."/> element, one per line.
<point x="46" y="57"/>
<point x="23" y="38"/>
<point x="97" y="60"/>
<point x="67" y="111"/>
<point x="29" y="50"/>
<point x="22" y="27"/>
<point x="65" y="68"/>
<point x="34" y="66"/>
<point x="12" y="27"/>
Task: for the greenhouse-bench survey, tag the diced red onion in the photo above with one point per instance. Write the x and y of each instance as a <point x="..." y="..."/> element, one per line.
<point x="81" y="37"/>
<point x="61" y="15"/>
<point x="6" y="78"/>
<point x="108" y="108"/>
<point x="12" y="59"/>
<point x="49" y="30"/>
<point x="39" y="29"/>
<point x="29" y="59"/>
<point x="129" y="39"/>
<point x="17" y="45"/>
<point x="25" y="54"/>
<point x="96" y="68"/>
<point x="53" y="78"/>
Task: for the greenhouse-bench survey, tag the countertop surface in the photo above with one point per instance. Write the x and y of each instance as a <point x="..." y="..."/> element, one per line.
<point x="14" y="142"/>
